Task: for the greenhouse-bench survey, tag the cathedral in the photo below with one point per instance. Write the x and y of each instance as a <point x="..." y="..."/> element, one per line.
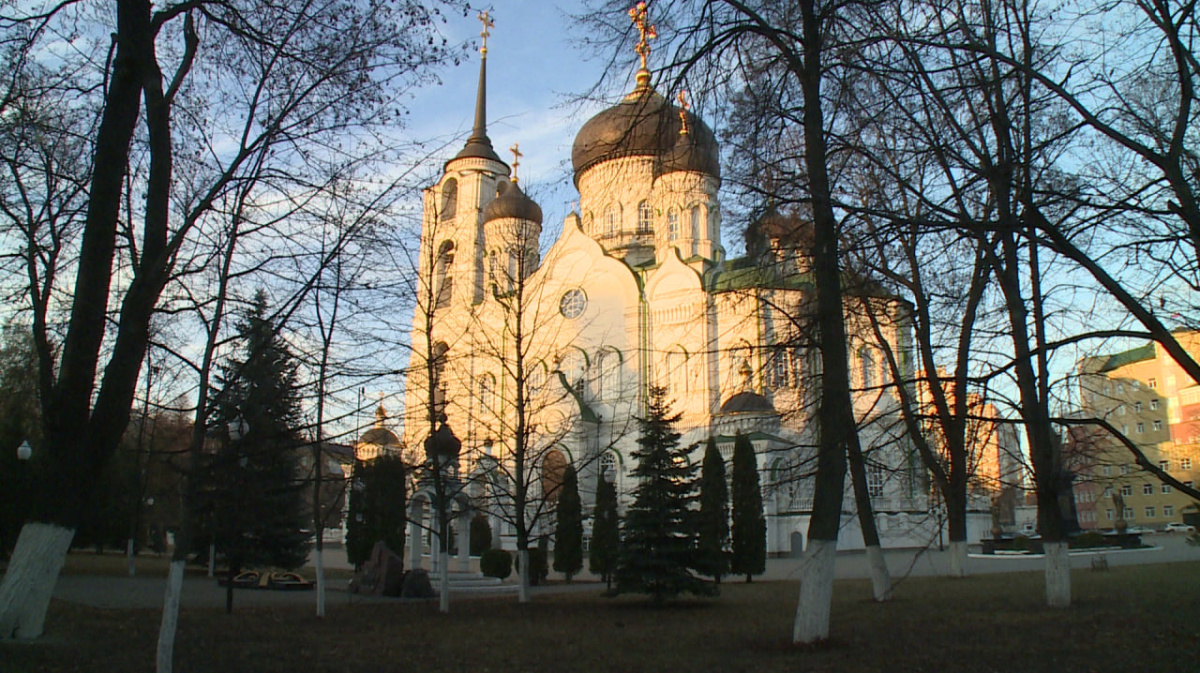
<point x="559" y="341"/>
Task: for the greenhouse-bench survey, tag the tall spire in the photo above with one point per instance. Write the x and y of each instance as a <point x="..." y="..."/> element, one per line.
<point x="479" y="145"/>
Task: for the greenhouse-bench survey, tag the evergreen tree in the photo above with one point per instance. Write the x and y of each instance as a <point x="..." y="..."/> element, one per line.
<point x="658" y="550"/>
<point x="377" y="502"/>
<point x="253" y="499"/>
<point x="606" y="532"/>
<point x="749" y="525"/>
<point x="568" y="537"/>
<point x="713" y="529"/>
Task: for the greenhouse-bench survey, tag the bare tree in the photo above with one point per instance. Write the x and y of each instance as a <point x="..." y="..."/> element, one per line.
<point x="309" y="80"/>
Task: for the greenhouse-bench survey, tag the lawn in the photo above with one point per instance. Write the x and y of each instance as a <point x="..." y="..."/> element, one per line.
<point x="1134" y="618"/>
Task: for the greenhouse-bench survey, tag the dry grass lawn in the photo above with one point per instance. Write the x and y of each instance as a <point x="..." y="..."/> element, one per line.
<point x="1140" y="618"/>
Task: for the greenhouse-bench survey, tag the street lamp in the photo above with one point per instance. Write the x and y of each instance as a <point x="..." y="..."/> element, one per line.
<point x="24" y="451"/>
<point x="442" y="449"/>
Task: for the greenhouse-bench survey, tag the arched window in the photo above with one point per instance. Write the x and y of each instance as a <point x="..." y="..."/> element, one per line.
<point x="554" y="464"/>
<point x="645" y="217"/>
<point x="536" y="380"/>
<point x="608" y="462"/>
<point x="438" y="385"/>
<point x="867" y="363"/>
<point x="672" y="224"/>
<point x="449" y="199"/>
<point x="610" y="375"/>
<point x="697" y="221"/>
<point x="573" y="366"/>
<point x="487" y="393"/>
<point x="589" y="223"/>
<point x="676" y="374"/>
<point x="714" y="221"/>
<point x="612" y="220"/>
<point x="443" y="278"/>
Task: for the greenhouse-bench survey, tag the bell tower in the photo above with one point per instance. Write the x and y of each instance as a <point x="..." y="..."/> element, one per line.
<point x="452" y="237"/>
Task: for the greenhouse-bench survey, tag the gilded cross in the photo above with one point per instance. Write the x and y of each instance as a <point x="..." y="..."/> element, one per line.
<point x="486" y="19"/>
<point x="646" y="31"/>
<point x="684" y="106"/>
<point x="516" y="160"/>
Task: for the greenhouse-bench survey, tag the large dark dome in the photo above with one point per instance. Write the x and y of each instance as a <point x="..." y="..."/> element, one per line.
<point x="644" y="124"/>
<point x="513" y="203"/>
<point x="747" y="402"/>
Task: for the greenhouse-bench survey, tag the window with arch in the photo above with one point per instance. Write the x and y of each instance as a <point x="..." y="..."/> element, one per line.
<point x="612" y="220"/>
<point x="438" y="385"/>
<point x="589" y="222"/>
<point x="573" y="365"/>
<point x="676" y="378"/>
<point x="487" y="392"/>
<point x="442" y="277"/>
<point x="876" y="476"/>
<point x="866" y="362"/>
<point x="610" y="375"/>
<point x="449" y="199"/>
<point x="697" y="221"/>
<point x="536" y="381"/>
<point x="608" y="461"/>
<point x="554" y="465"/>
<point x="645" y="218"/>
<point x="714" y="221"/>
<point x="672" y="224"/>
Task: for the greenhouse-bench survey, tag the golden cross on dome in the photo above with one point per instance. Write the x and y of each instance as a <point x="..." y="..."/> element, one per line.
<point x="516" y="160"/>
<point x="486" y="19"/>
<point x="684" y="106"/>
<point x="646" y="31"/>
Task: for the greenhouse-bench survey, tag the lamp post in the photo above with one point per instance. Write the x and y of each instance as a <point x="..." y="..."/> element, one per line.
<point x="24" y="453"/>
<point x="441" y="451"/>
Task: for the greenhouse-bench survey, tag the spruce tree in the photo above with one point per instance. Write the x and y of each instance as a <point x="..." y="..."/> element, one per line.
<point x="658" y="550"/>
<point x="377" y="503"/>
<point x="749" y="525"/>
<point x="713" y="528"/>
<point x="568" y="537"/>
<point x="253" y="498"/>
<point x="606" y="532"/>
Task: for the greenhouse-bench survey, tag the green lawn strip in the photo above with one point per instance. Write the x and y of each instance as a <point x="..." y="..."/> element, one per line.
<point x="1137" y="618"/>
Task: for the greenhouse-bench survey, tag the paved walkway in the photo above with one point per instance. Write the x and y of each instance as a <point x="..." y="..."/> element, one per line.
<point x="146" y="591"/>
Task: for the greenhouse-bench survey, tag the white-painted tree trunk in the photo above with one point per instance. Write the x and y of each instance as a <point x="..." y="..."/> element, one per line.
<point x="129" y="552"/>
<point x="816" y="592"/>
<point x="165" y="657"/>
<point x="1058" y="575"/>
<point x="212" y="558"/>
<point x="444" y="598"/>
<point x="958" y="559"/>
<point x="523" y="576"/>
<point x="881" y="579"/>
<point x="320" y="582"/>
<point x="32" y="572"/>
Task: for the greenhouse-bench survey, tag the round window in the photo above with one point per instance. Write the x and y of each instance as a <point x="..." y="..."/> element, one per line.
<point x="573" y="303"/>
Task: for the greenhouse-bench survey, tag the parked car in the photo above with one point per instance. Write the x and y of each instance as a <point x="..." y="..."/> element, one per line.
<point x="1176" y="527"/>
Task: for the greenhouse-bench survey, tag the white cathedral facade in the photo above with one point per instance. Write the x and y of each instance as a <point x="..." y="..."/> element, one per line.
<point x="637" y="291"/>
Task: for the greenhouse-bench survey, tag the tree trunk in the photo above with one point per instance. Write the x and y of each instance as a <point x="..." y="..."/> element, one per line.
<point x="956" y="518"/>
<point x="320" y="561"/>
<point x="29" y="582"/>
<point x="881" y="580"/>
<point x="816" y="592"/>
<point x="523" y="575"/>
<point x="1058" y="575"/>
<point x="165" y="658"/>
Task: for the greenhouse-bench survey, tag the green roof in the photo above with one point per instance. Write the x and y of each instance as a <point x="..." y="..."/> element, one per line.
<point x="1128" y="357"/>
<point x="745" y="273"/>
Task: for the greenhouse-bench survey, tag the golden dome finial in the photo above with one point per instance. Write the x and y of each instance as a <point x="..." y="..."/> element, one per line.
<point x="684" y="106"/>
<point x="485" y="18"/>
<point x="516" y="160"/>
<point x="646" y="32"/>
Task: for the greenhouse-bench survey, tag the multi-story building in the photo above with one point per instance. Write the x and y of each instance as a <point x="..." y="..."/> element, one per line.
<point x="1144" y="394"/>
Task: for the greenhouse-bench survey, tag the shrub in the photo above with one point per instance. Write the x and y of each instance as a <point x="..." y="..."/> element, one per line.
<point x="539" y="570"/>
<point x="496" y="563"/>
<point x="1089" y="540"/>
<point x="481" y="534"/>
